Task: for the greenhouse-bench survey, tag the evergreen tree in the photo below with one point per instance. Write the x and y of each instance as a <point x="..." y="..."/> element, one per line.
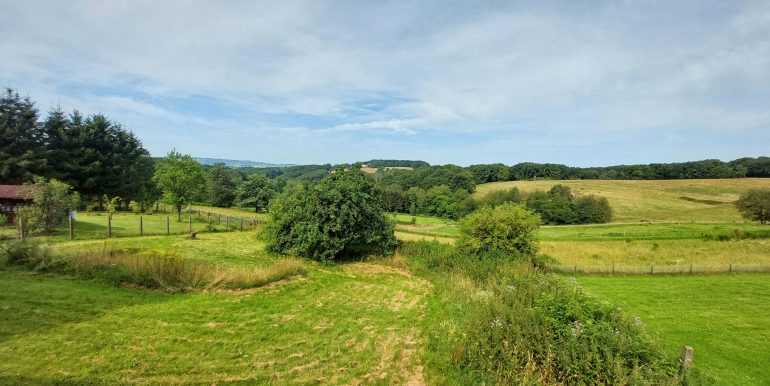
<point x="20" y="139"/>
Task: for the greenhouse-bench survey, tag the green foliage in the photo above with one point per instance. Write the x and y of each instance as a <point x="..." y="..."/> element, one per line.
<point x="20" y="139"/>
<point x="110" y="204"/>
<point x="506" y="322"/>
<point x="255" y="192"/>
<point x="51" y="203"/>
<point x="23" y="252"/>
<point x="336" y="218"/>
<point x="509" y="229"/>
<point x="135" y="207"/>
<point x="592" y="209"/>
<point x="755" y="205"/>
<point x="498" y="197"/>
<point x="181" y="179"/>
<point x="3" y="220"/>
<point x="222" y="185"/>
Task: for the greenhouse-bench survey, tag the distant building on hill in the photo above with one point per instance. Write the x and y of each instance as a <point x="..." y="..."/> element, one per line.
<point x="11" y="200"/>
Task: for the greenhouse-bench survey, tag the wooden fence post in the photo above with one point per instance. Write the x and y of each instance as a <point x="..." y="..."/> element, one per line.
<point x="168" y="226"/>
<point x="686" y="358"/>
<point x="72" y="228"/>
<point x="227" y="222"/>
<point x="141" y="226"/>
<point x="731" y="267"/>
<point x="109" y="225"/>
<point x="189" y="219"/>
<point x="219" y="218"/>
<point x="651" y="270"/>
<point x="241" y="224"/>
<point x="21" y="228"/>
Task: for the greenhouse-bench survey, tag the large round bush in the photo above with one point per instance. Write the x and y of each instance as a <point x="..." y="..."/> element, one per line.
<point x="508" y="229"/>
<point x="335" y="219"/>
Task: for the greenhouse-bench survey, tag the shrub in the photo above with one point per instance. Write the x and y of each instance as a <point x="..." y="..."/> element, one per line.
<point x="23" y="252"/>
<point x="136" y="207"/>
<point x="592" y="209"/>
<point x="336" y="218"/>
<point x="507" y="229"/>
<point x="3" y="220"/>
<point x="51" y="203"/>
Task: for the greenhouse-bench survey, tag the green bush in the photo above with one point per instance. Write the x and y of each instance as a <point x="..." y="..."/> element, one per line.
<point x="23" y="252"/>
<point x="335" y="219"/>
<point x="507" y="229"/>
<point x="507" y="322"/>
<point x="3" y="220"/>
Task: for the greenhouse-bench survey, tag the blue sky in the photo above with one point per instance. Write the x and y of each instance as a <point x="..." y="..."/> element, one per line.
<point x="581" y="83"/>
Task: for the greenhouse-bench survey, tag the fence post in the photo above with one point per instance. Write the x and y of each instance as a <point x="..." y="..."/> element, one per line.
<point x="690" y="268"/>
<point x="72" y="228"/>
<point x="21" y="228"/>
<point x="651" y="270"/>
<point x="109" y="225"/>
<point x="168" y="227"/>
<point x="613" y="268"/>
<point x="141" y="226"/>
<point x="686" y="358"/>
<point x="219" y="218"/>
<point x="227" y="222"/>
<point x="189" y="220"/>
<point x="241" y="224"/>
<point x="731" y="267"/>
<point x="575" y="268"/>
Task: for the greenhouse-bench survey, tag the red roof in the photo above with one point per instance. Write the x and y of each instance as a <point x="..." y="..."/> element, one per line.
<point x="12" y="191"/>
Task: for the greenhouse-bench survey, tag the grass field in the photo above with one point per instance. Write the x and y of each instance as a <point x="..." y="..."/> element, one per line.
<point x="348" y="323"/>
<point x="723" y="317"/>
<point x="703" y="201"/>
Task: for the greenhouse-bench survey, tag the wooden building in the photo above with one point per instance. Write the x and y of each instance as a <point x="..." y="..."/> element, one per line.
<point x="11" y="200"/>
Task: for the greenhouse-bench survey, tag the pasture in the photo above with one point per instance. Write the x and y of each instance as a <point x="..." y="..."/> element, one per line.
<point x="723" y="317"/>
<point x="700" y="201"/>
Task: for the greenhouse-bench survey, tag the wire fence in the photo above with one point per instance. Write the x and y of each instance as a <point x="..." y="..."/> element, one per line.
<point x="122" y="224"/>
<point x="680" y="269"/>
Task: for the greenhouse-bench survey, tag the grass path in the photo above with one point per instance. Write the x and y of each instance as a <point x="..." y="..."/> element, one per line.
<point x="723" y="317"/>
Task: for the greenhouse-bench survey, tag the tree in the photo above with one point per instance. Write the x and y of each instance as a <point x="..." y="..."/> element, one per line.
<point x="181" y="179"/>
<point x="336" y="218"/>
<point x="509" y="229"/>
<point x="755" y="205"/>
<point x="222" y="185"/>
<point x="592" y="209"/>
<point x="256" y="192"/>
<point x="51" y="203"/>
<point x="20" y="139"/>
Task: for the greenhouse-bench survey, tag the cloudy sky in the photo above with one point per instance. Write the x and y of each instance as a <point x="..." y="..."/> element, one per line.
<point x="576" y="82"/>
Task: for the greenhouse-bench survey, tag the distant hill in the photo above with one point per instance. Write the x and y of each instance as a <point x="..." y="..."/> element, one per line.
<point x="239" y="163"/>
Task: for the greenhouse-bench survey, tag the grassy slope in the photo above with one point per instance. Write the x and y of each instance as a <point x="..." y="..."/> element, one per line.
<point x="635" y="201"/>
<point x="351" y="323"/>
<point x="728" y="327"/>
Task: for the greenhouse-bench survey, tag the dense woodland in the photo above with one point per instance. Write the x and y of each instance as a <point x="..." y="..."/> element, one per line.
<point x="99" y="158"/>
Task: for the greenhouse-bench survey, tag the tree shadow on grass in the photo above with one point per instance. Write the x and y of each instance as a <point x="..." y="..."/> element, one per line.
<point x="33" y="303"/>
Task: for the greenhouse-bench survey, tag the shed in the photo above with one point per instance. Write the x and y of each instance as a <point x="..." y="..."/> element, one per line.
<point x="11" y="200"/>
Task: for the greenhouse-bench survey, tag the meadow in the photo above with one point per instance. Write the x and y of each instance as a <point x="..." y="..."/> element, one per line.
<point x="349" y="323"/>
<point x="723" y="317"/>
<point x="700" y="201"/>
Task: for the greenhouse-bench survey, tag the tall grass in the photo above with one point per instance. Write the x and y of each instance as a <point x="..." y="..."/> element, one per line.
<point x="511" y="323"/>
<point x="154" y="270"/>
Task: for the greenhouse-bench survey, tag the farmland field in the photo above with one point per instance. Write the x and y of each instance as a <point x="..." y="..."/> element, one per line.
<point x="728" y="327"/>
<point x="703" y="201"/>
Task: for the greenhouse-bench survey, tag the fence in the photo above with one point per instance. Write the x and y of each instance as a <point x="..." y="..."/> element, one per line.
<point x="681" y="269"/>
<point x="98" y="226"/>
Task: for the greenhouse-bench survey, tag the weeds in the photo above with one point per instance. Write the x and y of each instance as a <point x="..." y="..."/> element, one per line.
<point x="154" y="270"/>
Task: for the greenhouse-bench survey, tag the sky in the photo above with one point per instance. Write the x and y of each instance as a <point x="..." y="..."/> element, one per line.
<point x="582" y="83"/>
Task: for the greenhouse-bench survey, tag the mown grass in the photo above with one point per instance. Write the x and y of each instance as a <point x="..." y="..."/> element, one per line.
<point x="655" y="201"/>
<point x="246" y="213"/>
<point x="349" y="323"/>
<point x="723" y="317"/>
